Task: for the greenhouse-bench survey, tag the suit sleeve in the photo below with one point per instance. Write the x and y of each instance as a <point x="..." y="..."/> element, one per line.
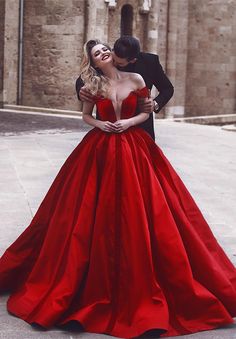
<point x="162" y="83"/>
<point x="78" y="85"/>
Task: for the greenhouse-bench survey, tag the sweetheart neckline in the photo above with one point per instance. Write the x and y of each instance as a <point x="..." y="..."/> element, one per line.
<point x="103" y="98"/>
<point x="131" y="92"/>
<point x="121" y="106"/>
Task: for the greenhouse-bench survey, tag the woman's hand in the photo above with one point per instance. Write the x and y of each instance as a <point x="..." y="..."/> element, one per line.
<point x="122" y="125"/>
<point x="107" y="126"/>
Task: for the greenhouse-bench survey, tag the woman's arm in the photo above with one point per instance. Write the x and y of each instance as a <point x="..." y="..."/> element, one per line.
<point x="123" y="124"/>
<point x="139" y="118"/>
<point x="87" y="114"/>
<point x="105" y="126"/>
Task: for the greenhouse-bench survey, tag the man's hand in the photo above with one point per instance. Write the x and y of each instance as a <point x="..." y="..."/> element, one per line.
<point x="85" y="95"/>
<point x="146" y="105"/>
<point x="122" y="124"/>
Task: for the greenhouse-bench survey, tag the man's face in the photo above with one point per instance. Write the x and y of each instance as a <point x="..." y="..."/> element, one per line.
<point x="121" y="62"/>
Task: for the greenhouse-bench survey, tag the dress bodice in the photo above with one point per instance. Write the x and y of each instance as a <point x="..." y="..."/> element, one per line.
<point x="106" y="109"/>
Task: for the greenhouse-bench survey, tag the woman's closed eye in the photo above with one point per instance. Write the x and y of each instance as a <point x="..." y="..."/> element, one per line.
<point x="97" y="53"/>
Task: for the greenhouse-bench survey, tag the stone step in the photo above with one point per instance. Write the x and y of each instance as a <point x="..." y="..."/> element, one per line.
<point x="29" y="109"/>
<point x="65" y="114"/>
<point x="221" y="119"/>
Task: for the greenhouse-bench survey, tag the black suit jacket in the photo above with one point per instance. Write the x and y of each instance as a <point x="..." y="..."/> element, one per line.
<point x="149" y="67"/>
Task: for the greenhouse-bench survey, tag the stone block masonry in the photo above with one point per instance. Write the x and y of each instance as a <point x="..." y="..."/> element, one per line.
<point x="53" y="42"/>
<point x="195" y="40"/>
<point x="211" y="67"/>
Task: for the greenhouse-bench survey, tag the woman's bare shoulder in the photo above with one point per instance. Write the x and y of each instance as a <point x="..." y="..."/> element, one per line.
<point x="135" y="78"/>
<point x="138" y="79"/>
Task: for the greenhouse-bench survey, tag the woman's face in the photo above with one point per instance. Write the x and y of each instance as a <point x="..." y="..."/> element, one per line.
<point x="101" y="56"/>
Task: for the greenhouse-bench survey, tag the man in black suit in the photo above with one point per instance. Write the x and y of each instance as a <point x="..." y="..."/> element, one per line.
<point x="127" y="57"/>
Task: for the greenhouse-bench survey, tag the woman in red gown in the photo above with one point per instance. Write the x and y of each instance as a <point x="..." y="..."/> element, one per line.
<point x="118" y="243"/>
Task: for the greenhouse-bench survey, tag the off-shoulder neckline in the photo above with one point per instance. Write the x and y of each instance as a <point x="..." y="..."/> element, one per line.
<point x="143" y="89"/>
<point x="134" y="92"/>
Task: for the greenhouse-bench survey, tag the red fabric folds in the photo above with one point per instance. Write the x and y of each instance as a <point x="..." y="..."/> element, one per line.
<point x="119" y="245"/>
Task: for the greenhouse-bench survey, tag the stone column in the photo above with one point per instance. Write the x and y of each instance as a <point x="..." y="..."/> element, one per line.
<point x="177" y="55"/>
<point x="2" y="32"/>
<point x="96" y="25"/>
<point x="157" y="36"/>
<point x="11" y="51"/>
<point x="162" y="24"/>
<point x="152" y="28"/>
<point x="113" y="24"/>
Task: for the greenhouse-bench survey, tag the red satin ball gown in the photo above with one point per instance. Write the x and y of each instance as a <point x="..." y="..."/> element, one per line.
<point x="119" y="245"/>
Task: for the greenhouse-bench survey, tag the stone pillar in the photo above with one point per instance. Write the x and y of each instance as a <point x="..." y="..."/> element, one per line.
<point x="152" y="28"/>
<point x="177" y="55"/>
<point x="157" y="36"/>
<point x="2" y="33"/>
<point x="96" y="25"/>
<point x="113" y="24"/>
<point x="11" y="51"/>
<point x="162" y="8"/>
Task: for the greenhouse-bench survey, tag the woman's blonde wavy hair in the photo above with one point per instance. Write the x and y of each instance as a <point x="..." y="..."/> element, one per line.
<point x="92" y="77"/>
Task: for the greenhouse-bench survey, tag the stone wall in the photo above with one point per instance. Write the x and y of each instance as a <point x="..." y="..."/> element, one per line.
<point x="194" y="39"/>
<point x="53" y="42"/>
<point x="211" y="67"/>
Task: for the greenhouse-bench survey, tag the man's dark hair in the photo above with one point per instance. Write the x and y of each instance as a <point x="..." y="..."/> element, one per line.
<point x="127" y="47"/>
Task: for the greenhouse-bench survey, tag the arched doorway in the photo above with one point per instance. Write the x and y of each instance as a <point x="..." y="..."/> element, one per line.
<point x="126" y="22"/>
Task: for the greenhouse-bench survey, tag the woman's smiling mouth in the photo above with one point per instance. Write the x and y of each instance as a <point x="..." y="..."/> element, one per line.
<point x="105" y="56"/>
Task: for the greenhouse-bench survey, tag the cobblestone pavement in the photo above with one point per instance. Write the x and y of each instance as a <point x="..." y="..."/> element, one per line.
<point x="33" y="148"/>
<point x="20" y="123"/>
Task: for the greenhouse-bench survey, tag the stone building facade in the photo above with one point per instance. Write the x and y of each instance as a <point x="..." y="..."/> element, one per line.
<point x="41" y="44"/>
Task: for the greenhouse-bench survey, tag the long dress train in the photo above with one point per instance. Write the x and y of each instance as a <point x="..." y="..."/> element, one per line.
<point x="119" y="245"/>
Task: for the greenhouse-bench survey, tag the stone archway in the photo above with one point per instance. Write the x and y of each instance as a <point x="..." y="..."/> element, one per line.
<point x="126" y="20"/>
